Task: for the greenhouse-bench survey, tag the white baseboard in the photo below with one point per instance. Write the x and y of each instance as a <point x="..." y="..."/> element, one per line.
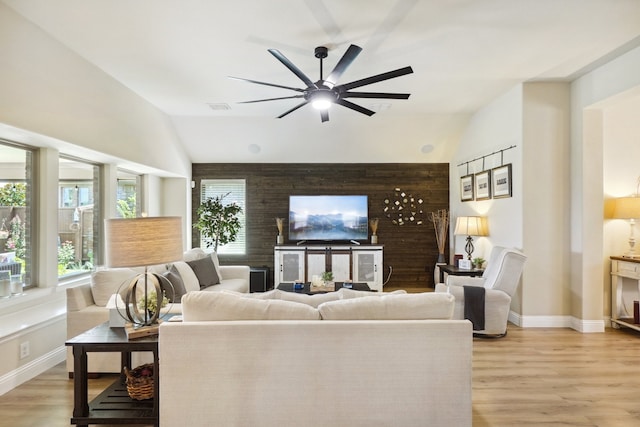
<point x="580" y="325"/>
<point x="30" y="370"/>
<point x="588" y="326"/>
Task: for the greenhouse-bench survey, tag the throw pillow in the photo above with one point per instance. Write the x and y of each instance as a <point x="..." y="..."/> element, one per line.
<point x="205" y="271"/>
<point x="187" y="275"/>
<point x="173" y="276"/>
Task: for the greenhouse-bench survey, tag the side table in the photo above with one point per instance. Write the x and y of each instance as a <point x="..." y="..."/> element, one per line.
<point x="455" y="271"/>
<point x="113" y="405"/>
<point x="625" y="285"/>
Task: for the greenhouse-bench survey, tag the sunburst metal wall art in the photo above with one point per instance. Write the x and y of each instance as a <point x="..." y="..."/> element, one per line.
<point x="403" y="208"/>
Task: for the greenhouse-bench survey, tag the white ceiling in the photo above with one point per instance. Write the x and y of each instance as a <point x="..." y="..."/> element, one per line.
<point x="177" y="54"/>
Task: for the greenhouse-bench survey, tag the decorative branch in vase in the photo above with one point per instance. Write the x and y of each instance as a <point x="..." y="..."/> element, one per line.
<point x="440" y="220"/>
<point x="280" y="225"/>
<point x="373" y="223"/>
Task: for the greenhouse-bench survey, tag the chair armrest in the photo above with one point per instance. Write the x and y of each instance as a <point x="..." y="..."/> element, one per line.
<point x="464" y="281"/>
<point x="441" y="287"/>
<point x="498" y="296"/>
<point x="79" y="297"/>
<point x="235" y="272"/>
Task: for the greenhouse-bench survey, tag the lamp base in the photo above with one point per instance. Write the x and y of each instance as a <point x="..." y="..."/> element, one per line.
<point x="468" y="248"/>
<point x="136" y="332"/>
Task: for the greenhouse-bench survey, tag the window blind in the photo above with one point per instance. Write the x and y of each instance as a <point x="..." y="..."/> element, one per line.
<point x="236" y="188"/>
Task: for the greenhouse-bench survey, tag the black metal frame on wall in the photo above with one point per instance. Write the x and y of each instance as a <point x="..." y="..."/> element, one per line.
<point x="410" y="250"/>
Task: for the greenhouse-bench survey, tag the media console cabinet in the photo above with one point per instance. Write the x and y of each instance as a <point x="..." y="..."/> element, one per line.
<point x="359" y="263"/>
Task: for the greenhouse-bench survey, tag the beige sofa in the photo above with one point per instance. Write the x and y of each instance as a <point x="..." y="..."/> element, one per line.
<point x="87" y="304"/>
<point x="339" y="359"/>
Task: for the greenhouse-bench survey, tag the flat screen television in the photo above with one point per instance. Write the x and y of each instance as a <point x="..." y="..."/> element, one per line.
<point x="328" y="218"/>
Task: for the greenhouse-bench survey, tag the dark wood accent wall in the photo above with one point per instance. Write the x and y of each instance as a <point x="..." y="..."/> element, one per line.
<point x="409" y="250"/>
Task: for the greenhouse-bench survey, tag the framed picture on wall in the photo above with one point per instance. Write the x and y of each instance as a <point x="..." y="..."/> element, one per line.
<point x="501" y="181"/>
<point x="466" y="188"/>
<point x="483" y="185"/>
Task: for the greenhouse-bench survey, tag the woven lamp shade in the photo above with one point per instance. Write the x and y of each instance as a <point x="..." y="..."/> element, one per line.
<point x="627" y="208"/>
<point x="471" y="226"/>
<point x="135" y="242"/>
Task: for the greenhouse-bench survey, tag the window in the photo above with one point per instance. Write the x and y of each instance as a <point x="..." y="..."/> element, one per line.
<point x="127" y="195"/>
<point x="16" y="208"/>
<point x="78" y="216"/>
<point x="236" y="190"/>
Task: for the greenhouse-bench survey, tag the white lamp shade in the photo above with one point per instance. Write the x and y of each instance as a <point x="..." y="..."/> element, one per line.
<point x="136" y="242"/>
<point x="626" y="208"/>
<point x="471" y="226"/>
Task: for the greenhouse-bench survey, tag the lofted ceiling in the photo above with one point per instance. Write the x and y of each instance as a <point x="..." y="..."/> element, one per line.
<point x="178" y="54"/>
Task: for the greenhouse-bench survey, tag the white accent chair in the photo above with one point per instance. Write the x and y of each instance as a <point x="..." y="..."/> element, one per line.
<point x="500" y="279"/>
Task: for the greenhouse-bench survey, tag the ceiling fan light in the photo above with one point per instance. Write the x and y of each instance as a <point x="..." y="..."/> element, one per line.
<point x="321" y="103"/>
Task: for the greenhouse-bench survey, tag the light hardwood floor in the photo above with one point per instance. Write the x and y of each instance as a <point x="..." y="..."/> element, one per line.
<point x="533" y="377"/>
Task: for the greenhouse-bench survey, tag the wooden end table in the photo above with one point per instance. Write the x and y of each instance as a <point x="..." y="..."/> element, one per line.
<point x="455" y="271"/>
<point x="113" y="405"/>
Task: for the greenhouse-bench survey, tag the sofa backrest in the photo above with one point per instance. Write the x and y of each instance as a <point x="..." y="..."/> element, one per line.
<point x="106" y="282"/>
<point x="224" y="305"/>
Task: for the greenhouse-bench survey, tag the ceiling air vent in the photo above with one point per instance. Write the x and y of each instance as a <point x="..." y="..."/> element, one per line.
<point x="219" y="106"/>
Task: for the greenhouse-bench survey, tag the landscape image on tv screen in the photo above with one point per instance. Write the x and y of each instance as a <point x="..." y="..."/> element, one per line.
<point x="328" y="218"/>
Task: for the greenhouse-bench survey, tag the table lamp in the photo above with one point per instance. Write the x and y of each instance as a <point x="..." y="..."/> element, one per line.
<point x="471" y="226"/>
<point x="628" y="208"/>
<point x="135" y="242"/>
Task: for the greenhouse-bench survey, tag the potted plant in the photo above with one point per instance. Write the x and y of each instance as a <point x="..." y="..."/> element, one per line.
<point x="150" y="304"/>
<point x="478" y="262"/>
<point x="218" y="221"/>
<point x="327" y="277"/>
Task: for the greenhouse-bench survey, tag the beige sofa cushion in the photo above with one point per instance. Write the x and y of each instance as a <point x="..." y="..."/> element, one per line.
<point x="428" y="305"/>
<point x="107" y="282"/>
<point x="198" y="306"/>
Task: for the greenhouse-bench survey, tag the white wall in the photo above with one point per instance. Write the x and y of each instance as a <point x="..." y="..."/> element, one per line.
<point x="621" y="172"/>
<point x="176" y="194"/>
<point x="496" y="126"/>
<point x="590" y="263"/>
<point x="562" y="175"/>
<point x="49" y="90"/>
<point x="545" y="292"/>
<point x="54" y="99"/>
<point x="535" y="118"/>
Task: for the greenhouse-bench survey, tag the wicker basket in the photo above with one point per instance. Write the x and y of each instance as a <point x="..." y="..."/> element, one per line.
<point x="140" y="387"/>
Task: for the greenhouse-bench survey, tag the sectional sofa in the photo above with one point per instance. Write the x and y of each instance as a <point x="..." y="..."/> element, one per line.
<point x="87" y="304"/>
<point x="339" y="359"/>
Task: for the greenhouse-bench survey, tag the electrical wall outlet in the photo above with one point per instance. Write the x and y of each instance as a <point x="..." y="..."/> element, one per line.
<point x="24" y="349"/>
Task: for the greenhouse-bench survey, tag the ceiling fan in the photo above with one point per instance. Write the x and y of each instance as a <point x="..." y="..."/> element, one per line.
<point x="324" y="92"/>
